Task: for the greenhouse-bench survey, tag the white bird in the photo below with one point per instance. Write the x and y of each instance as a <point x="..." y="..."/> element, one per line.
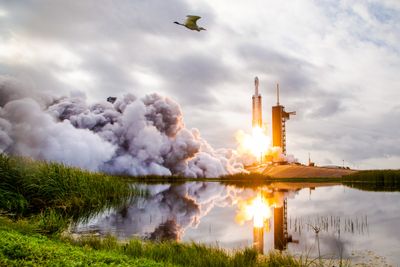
<point x="190" y="23"/>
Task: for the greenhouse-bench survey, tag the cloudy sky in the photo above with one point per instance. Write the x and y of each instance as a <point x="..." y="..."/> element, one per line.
<point x="337" y="63"/>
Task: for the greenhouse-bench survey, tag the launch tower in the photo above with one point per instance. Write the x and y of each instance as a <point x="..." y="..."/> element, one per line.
<point x="279" y="118"/>
<point x="281" y="235"/>
<point x="257" y="114"/>
<point x="280" y="224"/>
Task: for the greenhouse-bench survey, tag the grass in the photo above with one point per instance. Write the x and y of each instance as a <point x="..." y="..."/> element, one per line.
<point x="20" y="245"/>
<point x="182" y="254"/>
<point x="243" y="180"/>
<point x="374" y="180"/>
<point x="52" y="194"/>
<point x="28" y="187"/>
<point x="196" y="255"/>
<point x="43" y="198"/>
<point x="371" y="180"/>
<point x="17" y="249"/>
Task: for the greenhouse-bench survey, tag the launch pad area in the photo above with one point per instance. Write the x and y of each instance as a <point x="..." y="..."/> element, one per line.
<point x="299" y="171"/>
<point x="276" y="163"/>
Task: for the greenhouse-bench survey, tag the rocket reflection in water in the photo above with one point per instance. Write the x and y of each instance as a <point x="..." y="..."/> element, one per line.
<point x="259" y="210"/>
<point x="180" y="212"/>
<point x="231" y="216"/>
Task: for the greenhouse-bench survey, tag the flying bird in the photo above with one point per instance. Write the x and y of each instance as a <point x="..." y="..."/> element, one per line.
<point x="190" y="23"/>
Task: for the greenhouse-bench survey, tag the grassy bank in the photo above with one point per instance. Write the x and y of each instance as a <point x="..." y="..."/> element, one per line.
<point x="54" y="194"/>
<point x="239" y="179"/>
<point x="29" y="187"/>
<point x="192" y="254"/>
<point x="39" y="199"/>
<point x="374" y="180"/>
<point x="20" y="245"/>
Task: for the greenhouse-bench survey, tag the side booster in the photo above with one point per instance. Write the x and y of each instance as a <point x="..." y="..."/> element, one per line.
<point x="257" y="114"/>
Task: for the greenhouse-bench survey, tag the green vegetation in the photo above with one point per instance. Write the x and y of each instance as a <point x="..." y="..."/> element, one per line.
<point x="181" y="254"/>
<point x="239" y="179"/>
<point x="374" y="180"/>
<point x="371" y="180"/>
<point x="20" y="245"/>
<point x="29" y="249"/>
<point x="159" y="179"/>
<point x="42" y="198"/>
<point x="30" y="187"/>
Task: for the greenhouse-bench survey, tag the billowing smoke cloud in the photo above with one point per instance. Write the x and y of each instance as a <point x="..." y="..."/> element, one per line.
<point x="131" y="136"/>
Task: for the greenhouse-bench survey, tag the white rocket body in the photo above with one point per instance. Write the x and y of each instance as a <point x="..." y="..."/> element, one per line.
<point x="257" y="113"/>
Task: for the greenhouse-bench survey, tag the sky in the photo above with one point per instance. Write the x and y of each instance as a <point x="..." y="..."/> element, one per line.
<point x="337" y="64"/>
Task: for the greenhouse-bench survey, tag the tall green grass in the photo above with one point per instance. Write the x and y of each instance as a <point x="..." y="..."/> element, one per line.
<point x="53" y="194"/>
<point x="33" y="187"/>
<point x="18" y="249"/>
<point x="20" y="245"/>
<point x="191" y="254"/>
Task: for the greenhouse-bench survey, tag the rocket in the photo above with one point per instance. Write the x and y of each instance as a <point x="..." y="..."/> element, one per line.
<point x="257" y="115"/>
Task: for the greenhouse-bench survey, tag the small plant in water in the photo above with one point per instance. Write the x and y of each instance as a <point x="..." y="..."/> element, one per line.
<point x="317" y="229"/>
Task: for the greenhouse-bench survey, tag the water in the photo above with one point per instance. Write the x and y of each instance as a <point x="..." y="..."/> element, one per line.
<point x="345" y="222"/>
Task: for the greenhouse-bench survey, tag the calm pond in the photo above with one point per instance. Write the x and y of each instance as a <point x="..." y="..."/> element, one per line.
<point x="297" y="217"/>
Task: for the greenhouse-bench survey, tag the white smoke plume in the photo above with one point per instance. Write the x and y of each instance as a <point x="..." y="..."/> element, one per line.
<point x="131" y="136"/>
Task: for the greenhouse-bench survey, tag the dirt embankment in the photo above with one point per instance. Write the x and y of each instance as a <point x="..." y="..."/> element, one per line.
<point x="298" y="171"/>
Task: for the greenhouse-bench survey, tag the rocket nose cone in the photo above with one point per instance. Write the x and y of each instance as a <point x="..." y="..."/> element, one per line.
<point x="256" y="85"/>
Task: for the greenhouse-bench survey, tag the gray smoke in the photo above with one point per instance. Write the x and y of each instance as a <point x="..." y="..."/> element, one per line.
<point x="131" y="136"/>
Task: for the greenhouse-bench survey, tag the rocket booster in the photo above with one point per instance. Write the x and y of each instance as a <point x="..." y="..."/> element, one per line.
<point x="256" y="85"/>
<point x="257" y="114"/>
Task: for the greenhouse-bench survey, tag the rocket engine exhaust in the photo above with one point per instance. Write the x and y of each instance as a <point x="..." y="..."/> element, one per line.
<point x="124" y="135"/>
<point x="256" y="147"/>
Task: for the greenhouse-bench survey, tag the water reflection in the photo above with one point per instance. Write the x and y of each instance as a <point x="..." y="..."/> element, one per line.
<point x="275" y="216"/>
<point x="336" y="224"/>
<point x="258" y="209"/>
<point x="170" y="210"/>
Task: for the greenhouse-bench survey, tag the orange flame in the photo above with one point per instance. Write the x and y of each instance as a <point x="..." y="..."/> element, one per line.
<point x="257" y="144"/>
<point x="256" y="209"/>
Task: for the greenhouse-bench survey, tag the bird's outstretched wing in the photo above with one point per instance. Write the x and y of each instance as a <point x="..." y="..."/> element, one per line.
<point x="191" y="20"/>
